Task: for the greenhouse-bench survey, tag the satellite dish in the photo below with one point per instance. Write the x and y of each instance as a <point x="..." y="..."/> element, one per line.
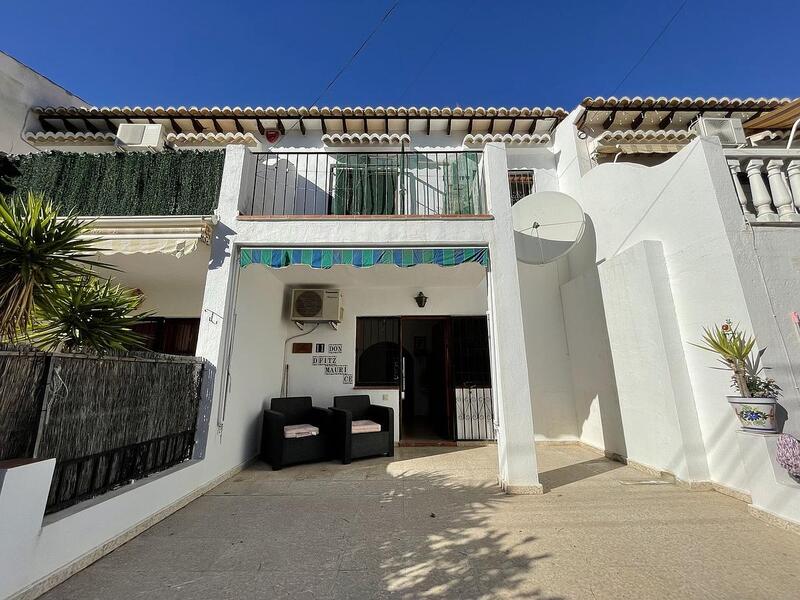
<point x="547" y="225"/>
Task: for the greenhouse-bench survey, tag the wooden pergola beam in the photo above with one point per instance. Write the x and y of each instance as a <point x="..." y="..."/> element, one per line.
<point x="68" y="125"/>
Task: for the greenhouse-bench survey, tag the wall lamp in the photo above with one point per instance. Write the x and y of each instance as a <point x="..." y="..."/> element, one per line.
<point x="421" y="300"/>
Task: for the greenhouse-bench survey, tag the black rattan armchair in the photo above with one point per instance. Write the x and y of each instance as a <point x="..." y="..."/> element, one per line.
<point x="279" y="451"/>
<point x="349" y="445"/>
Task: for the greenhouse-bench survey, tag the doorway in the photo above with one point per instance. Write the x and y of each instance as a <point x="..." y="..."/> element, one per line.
<point x="425" y="399"/>
<point x="440" y="367"/>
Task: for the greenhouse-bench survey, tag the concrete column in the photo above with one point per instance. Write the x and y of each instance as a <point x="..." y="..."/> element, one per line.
<point x="515" y="442"/>
<point x="24" y="485"/>
<point x="216" y="316"/>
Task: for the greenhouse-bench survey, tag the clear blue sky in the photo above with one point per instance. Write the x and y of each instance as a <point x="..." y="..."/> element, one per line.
<point x="428" y="52"/>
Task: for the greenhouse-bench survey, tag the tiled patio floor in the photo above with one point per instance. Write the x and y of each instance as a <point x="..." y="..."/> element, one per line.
<point x="432" y="524"/>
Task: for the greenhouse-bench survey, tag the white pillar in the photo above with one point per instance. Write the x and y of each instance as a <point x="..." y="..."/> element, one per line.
<point x="781" y="197"/>
<point x="759" y="191"/>
<point x="515" y="441"/>
<point x="215" y="319"/>
<point x="793" y="172"/>
<point x="735" y="169"/>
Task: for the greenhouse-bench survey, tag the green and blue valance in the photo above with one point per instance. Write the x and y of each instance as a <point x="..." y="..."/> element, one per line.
<point x="325" y="258"/>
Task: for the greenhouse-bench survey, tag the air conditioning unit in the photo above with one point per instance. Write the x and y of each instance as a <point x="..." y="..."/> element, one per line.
<point x="317" y="306"/>
<point x="729" y="131"/>
<point x="134" y="136"/>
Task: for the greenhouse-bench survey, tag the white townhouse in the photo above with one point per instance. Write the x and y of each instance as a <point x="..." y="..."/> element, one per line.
<point x="372" y="250"/>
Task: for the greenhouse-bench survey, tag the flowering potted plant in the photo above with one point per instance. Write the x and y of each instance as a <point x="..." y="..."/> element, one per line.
<point x="758" y="395"/>
<point x="788" y="455"/>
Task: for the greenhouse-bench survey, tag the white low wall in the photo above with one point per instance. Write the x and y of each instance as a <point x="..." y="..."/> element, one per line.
<point x="659" y="422"/>
<point x="678" y="204"/>
<point x="666" y="253"/>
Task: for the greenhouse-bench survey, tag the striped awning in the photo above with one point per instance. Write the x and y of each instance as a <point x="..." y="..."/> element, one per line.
<point x="325" y="258"/>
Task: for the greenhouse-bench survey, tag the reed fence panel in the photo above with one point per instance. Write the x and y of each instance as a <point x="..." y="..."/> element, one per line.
<point x="22" y="374"/>
<point x="107" y="420"/>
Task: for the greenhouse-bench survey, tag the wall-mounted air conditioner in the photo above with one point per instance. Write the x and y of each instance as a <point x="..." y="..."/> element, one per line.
<point x="729" y="131"/>
<point x="317" y="306"/>
<point x="134" y="136"/>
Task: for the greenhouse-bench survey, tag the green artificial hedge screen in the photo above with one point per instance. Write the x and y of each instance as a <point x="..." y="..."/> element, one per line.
<point x="184" y="182"/>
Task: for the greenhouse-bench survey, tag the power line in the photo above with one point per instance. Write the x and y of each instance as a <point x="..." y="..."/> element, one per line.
<point x="650" y="47"/>
<point x="442" y="40"/>
<point x="357" y="52"/>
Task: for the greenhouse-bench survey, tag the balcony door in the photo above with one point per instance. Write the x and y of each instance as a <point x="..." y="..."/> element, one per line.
<point x="365" y="184"/>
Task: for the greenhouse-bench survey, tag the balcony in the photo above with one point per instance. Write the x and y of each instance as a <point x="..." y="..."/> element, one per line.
<point x="447" y="184"/>
<point x="767" y="183"/>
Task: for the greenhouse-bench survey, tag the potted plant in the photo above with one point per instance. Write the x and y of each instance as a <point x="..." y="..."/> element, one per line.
<point x="788" y="455"/>
<point x="758" y="395"/>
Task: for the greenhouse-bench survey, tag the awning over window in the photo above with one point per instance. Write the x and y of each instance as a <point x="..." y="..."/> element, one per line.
<point x="325" y="258"/>
<point x="150" y="235"/>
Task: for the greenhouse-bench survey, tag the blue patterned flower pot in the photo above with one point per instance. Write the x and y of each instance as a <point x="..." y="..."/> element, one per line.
<point x="755" y="414"/>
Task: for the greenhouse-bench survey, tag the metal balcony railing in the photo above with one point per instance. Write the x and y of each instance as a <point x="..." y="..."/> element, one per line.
<point x="374" y="183"/>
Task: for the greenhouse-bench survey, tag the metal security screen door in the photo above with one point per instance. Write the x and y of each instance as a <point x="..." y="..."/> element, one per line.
<point x="471" y="379"/>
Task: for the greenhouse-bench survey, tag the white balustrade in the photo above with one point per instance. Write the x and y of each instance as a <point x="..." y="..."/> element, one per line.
<point x="781" y="196"/>
<point x="775" y="198"/>
<point x="736" y="168"/>
<point x="759" y="192"/>
<point x="793" y="172"/>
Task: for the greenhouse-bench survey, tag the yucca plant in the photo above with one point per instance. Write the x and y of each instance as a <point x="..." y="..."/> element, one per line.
<point x="733" y="348"/>
<point x="40" y="252"/>
<point x="89" y="313"/>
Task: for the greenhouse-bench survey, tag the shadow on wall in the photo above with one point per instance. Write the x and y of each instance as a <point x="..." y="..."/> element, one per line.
<point x="220" y="245"/>
<point x="597" y="408"/>
<point x="204" y="410"/>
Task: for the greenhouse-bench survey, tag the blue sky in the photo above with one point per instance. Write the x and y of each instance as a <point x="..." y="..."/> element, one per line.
<point x="434" y="52"/>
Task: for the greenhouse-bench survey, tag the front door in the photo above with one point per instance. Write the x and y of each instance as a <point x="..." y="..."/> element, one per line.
<point x="425" y="405"/>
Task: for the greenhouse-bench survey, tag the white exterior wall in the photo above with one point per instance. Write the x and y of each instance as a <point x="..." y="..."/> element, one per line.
<point x="666" y="253"/>
<point x="678" y="204"/>
<point x="256" y="358"/>
<point x="172" y="286"/>
<point x="517" y="456"/>
<point x="21" y="88"/>
<point x="263" y="352"/>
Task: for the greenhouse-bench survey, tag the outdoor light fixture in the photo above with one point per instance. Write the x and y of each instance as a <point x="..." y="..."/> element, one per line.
<point x="421" y="299"/>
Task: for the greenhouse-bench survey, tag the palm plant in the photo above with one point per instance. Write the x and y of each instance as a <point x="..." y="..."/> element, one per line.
<point x="89" y="313"/>
<point x="39" y="254"/>
<point x="733" y="348"/>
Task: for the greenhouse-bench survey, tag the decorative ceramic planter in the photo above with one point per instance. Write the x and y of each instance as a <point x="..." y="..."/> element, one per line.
<point x="755" y="414"/>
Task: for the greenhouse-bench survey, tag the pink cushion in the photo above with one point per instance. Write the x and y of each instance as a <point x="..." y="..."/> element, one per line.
<point x="365" y="426"/>
<point x="298" y="431"/>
